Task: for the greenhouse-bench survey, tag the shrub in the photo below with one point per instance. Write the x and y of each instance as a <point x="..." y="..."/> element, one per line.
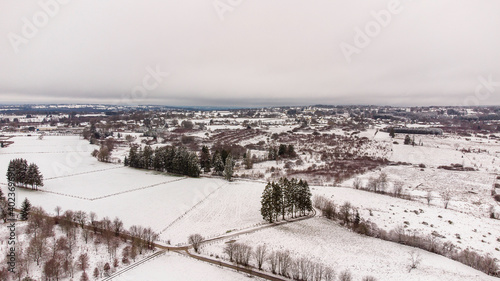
<point x="345" y="276"/>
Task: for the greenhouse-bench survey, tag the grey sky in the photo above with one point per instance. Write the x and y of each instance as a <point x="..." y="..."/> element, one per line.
<point x="262" y="52"/>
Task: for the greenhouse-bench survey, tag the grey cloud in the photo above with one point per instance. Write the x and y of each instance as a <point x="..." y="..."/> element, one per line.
<point x="262" y="53"/>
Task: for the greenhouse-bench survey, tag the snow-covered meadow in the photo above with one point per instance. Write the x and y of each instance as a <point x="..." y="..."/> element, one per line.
<point x="324" y="242"/>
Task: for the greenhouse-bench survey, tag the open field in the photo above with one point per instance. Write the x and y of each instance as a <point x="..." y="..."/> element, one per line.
<point x="176" y="206"/>
<point x="324" y="242"/>
<point x="171" y="266"/>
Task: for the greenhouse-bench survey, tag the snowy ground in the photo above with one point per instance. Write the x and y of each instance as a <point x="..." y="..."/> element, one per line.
<point x="177" y="207"/>
<point x="236" y="205"/>
<point x="325" y="242"/>
<point x="477" y="232"/>
<point x="173" y="266"/>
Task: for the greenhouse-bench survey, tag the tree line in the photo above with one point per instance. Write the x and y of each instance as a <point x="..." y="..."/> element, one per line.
<point x="181" y="161"/>
<point x="22" y="174"/>
<point x="285" y="197"/>
<point x="164" y="159"/>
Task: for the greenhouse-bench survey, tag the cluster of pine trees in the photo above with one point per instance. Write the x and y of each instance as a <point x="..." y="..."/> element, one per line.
<point x="4" y="207"/>
<point x="22" y="174"/>
<point x="164" y="159"/>
<point x="285" y="197"/>
<point x="283" y="151"/>
<point x="221" y="162"/>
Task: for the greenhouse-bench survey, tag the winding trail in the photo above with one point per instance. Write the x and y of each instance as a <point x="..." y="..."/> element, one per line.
<point x="184" y="250"/>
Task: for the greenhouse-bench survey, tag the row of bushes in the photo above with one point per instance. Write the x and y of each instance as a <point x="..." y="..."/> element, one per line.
<point x="350" y="218"/>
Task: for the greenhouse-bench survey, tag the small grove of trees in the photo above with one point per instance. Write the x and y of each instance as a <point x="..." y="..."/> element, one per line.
<point x="167" y="158"/>
<point x="282" y="151"/>
<point x="381" y="185"/>
<point x="279" y="262"/>
<point x="223" y="164"/>
<point x="22" y="174"/>
<point x="58" y="255"/>
<point x="349" y="217"/>
<point x="285" y="198"/>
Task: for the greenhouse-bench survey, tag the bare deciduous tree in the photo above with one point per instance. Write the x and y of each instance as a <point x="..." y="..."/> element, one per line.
<point x="273" y="262"/>
<point x="117" y="226"/>
<point x="446" y="195"/>
<point x="284" y="262"/>
<point x="229" y="250"/>
<point x="428" y="197"/>
<point x="242" y="253"/>
<point x="329" y="274"/>
<point x="398" y="188"/>
<point x="260" y="255"/>
<point x="345" y="276"/>
<point x="345" y="212"/>
<point x="195" y="240"/>
<point x="414" y="259"/>
<point x="356" y="183"/>
<point x="83" y="262"/>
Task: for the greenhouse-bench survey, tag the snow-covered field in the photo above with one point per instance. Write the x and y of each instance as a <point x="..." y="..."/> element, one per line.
<point x="325" y="242"/>
<point x="173" y="266"/>
<point x="236" y="205"/>
<point x="177" y="207"/>
<point x="476" y="232"/>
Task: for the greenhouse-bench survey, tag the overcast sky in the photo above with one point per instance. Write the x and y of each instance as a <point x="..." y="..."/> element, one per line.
<point x="250" y="52"/>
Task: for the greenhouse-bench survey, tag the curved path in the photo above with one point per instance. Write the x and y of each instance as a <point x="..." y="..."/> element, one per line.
<point x="184" y="250"/>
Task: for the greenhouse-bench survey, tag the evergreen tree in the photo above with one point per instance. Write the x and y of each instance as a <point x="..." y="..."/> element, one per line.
<point x="291" y="151"/>
<point x="218" y="164"/>
<point x="34" y="177"/>
<point x="357" y="219"/>
<point x="290" y="196"/>
<point x="224" y="154"/>
<point x="272" y="154"/>
<point x="205" y="159"/>
<point x="407" y="139"/>
<point x="391" y="133"/>
<point x="193" y="168"/>
<point x="147" y="157"/>
<point x="158" y="160"/>
<point x="25" y="209"/>
<point x="305" y="202"/>
<point x="277" y="199"/>
<point x="282" y="150"/>
<point x="267" y="205"/>
<point x="133" y="157"/>
<point x="228" y="168"/>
